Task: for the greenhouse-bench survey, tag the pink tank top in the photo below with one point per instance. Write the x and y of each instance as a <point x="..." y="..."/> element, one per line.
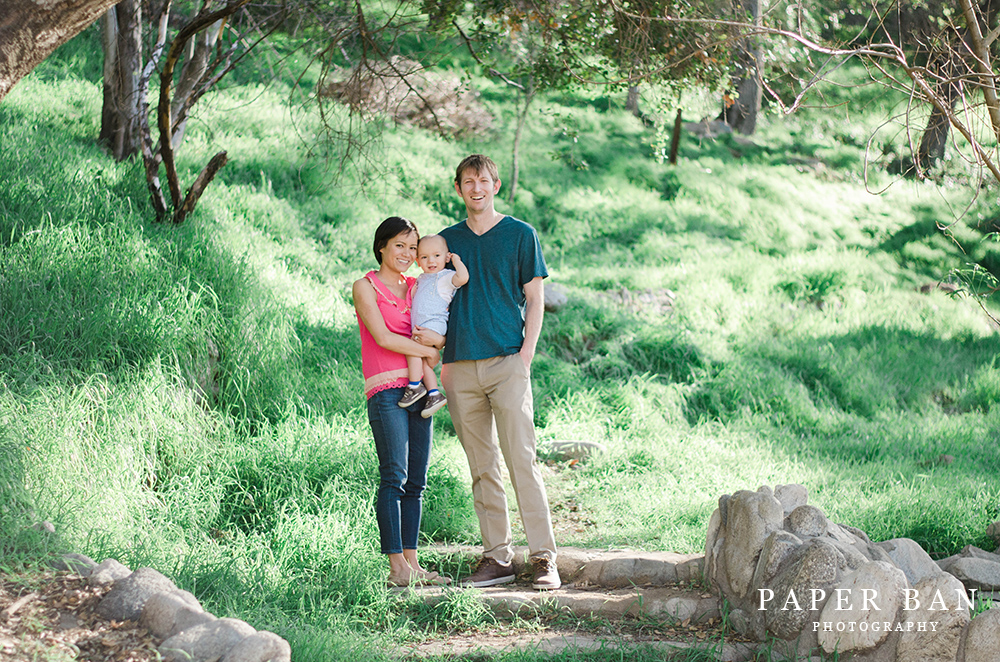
<point x="384" y="369"/>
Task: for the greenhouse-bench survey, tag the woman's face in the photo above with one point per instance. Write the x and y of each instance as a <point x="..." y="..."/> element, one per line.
<point x="400" y="252"/>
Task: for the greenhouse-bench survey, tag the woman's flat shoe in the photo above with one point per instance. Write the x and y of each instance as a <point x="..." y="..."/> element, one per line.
<point x="396" y="582"/>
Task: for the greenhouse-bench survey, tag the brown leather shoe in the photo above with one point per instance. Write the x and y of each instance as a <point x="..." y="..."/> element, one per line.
<point x="489" y="572"/>
<point x="546" y="575"/>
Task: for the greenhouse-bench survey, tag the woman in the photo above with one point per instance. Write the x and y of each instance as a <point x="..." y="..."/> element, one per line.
<point x="402" y="436"/>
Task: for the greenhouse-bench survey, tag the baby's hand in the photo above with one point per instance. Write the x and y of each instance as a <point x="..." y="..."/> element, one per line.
<point x="453" y="257"/>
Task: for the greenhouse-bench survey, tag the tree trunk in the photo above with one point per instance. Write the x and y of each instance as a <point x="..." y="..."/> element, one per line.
<point x="948" y="66"/>
<point x="741" y="112"/>
<point x="122" y="41"/>
<point x="529" y="95"/>
<point x="192" y="72"/>
<point x="935" y="136"/>
<point x="675" y="138"/>
<point x="31" y="29"/>
<point x="632" y="101"/>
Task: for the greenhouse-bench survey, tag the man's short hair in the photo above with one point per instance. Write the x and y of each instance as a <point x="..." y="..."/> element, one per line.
<point x="479" y="163"/>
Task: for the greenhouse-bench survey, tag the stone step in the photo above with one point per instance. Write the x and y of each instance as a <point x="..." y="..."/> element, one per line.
<point x="603" y="568"/>
<point x="601" y="584"/>
<point x="669" y="604"/>
<point x="478" y="646"/>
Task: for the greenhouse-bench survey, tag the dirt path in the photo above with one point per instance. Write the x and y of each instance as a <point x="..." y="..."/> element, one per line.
<point x="51" y="616"/>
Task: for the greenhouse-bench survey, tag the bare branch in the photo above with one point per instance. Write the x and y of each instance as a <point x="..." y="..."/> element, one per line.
<point x="982" y="58"/>
<point x="200" y="183"/>
<point x="475" y="56"/>
<point x="192" y="27"/>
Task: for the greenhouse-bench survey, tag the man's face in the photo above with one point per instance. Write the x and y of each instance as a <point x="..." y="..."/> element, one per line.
<point x="477" y="190"/>
<point x="432" y="255"/>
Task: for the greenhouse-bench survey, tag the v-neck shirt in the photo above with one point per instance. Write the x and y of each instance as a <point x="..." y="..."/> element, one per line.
<point x="486" y="317"/>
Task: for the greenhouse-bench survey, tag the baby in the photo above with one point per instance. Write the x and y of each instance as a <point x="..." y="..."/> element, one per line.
<point x="435" y="289"/>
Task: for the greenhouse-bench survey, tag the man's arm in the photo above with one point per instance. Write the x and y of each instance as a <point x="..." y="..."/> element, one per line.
<point x="534" y="310"/>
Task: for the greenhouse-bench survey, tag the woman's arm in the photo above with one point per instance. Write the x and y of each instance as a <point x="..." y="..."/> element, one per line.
<point x="425" y="336"/>
<point x="367" y="306"/>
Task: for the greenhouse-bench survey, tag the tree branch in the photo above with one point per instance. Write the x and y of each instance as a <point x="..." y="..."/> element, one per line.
<point x="192" y="27"/>
<point x="475" y="56"/>
<point x="982" y="58"/>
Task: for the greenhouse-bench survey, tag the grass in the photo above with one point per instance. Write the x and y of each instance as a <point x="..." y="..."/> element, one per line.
<point x="190" y="398"/>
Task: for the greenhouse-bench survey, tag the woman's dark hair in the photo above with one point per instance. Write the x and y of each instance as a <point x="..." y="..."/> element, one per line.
<point x="389" y="228"/>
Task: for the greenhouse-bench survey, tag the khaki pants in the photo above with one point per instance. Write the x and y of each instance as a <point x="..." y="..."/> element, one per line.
<point x="479" y="393"/>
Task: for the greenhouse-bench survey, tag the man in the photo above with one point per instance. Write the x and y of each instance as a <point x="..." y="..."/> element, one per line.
<point x="495" y="322"/>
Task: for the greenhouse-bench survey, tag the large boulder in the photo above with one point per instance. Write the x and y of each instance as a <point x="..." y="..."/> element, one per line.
<point x="911" y="558"/>
<point x="124" y="602"/>
<point x="752" y="516"/>
<point x="982" y="641"/>
<point x="166" y="614"/>
<point x="919" y="641"/>
<point x="207" y="642"/>
<point x="108" y="572"/>
<point x="812" y="587"/>
<point x="863" y="604"/>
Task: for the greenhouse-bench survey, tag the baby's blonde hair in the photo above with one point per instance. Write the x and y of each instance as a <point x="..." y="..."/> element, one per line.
<point x="432" y="236"/>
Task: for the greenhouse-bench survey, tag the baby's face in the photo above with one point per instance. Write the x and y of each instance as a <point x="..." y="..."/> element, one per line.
<point x="432" y="254"/>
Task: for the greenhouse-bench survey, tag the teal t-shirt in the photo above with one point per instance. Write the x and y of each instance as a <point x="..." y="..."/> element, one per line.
<point x="487" y="314"/>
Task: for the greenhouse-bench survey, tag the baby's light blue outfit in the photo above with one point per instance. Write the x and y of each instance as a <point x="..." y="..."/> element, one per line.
<point x="431" y="300"/>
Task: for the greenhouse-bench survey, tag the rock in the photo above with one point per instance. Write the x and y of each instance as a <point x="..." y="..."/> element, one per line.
<point x="941" y="460"/>
<point x="803" y="560"/>
<point x="977" y="573"/>
<point x="854" y="531"/>
<point x="982" y="640"/>
<point x="206" y="642"/>
<point x="910" y="557"/>
<point x="791" y="496"/>
<point x="124" y="602"/>
<point x="971" y="551"/>
<point x="166" y="614"/>
<point x="807" y="521"/>
<point x="778" y="546"/>
<point x="707" y="128"/>
<point x="941" y="643"/>
<point x="752" y="516"/>
<point x="78" y="563"/>
<point x="927" y="288"/>
<point x="679" y="609"/>
<point x="108" y="572"/>
<point x="851" y="558"/>
<point x="564" y="451"/>
<point x="713" y="547"/>
<point x="813" y="566"/>
<point x="846" y="535"/>
<point x="631" y="571"/>
<point x="261" y="647"/>
<point x="993" y="531"/>
<point x="740" y="622"/>
<point x="555" y="297"/>
<point x="880" y="581"/>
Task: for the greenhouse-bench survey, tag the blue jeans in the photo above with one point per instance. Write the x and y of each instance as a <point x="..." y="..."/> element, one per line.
<point x="403" y="444"/>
